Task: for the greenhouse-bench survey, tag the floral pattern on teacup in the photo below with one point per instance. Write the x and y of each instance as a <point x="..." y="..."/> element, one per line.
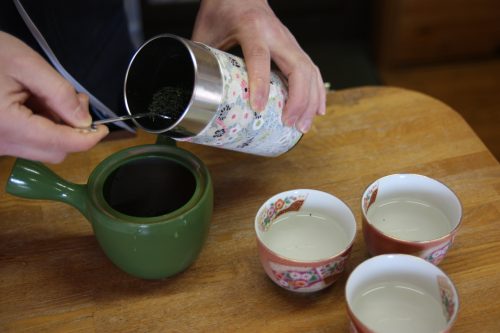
<point x="447" y="297"/>
<point x="307" y="278"/>
<point x="279" y="207"/>
<point x="236" y="126"/>
<point x="370" y="197"/>
<point x="437" y="255"/>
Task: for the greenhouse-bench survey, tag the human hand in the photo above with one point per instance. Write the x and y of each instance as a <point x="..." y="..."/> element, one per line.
<point x="28" y="84"/>
<point x="262" y="37"/>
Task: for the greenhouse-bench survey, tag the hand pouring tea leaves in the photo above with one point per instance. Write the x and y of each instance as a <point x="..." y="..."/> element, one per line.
<point x="127" y="117"/>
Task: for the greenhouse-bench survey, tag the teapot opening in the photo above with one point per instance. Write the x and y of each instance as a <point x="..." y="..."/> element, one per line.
<point x="149" y="187"/>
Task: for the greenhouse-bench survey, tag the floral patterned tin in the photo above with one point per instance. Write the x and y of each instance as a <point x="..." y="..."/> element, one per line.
<point x="217" y="112"/>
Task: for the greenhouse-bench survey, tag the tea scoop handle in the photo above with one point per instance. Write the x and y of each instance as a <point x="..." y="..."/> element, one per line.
<point x="121" y="118"/>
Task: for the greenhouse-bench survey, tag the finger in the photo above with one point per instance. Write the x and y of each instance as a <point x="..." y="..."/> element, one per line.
<point x="258" y="61"/>
<point x="316" y="102"/>
<point x="85" y="106"/>
<point x="305" y="120"/>
<point x="306" y="90"/>
<point x="33" y="103"/>
<point x="41" y="153"/>
<point x="53" y="138"/>
<point x="322" y="97"/>
<point x="297" y="68"/>
<point x="298" y="96"/>
<point x="51" y="90"/>
<point x="58" y="137"/>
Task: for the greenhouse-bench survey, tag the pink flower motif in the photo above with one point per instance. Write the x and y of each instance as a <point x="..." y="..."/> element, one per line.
<point x="220" y="123"/>
<point x="283" y="283"/>
<point x="244" y="89"/>
<point x="270" y="212"/>
<point x="279" y="204"/>
<point x="299" y="284"/>
<point x="306" y="276"/>
<point x="436" y="256"/>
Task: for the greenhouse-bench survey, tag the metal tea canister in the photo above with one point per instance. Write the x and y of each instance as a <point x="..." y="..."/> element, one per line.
<point x="214" y="104"/>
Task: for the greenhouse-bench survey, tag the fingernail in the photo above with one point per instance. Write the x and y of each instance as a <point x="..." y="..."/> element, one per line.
<point x="86" y="130"/>
<point x="105" y="129"/>
<point x="305" y="126"/>
<point x="82" y="116"/>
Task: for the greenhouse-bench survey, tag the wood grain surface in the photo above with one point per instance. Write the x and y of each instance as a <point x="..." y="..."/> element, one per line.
<point x="55" y="278"/>
<point x="469" y="87"/>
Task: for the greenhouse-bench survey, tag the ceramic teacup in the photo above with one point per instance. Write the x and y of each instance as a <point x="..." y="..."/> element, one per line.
<point x="304" y="238"/>
<point x="412" y="214"/>
<point x="396" y="293"/>
<point x="150" y="206"/>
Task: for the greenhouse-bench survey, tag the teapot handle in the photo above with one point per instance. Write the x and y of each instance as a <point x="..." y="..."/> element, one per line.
<point x="33" y="180"/>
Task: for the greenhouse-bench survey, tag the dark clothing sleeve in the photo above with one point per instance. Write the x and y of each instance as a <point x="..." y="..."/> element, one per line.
<point x="90" y="39"/>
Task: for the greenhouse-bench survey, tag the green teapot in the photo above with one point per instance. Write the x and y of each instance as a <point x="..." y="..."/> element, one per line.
<point x="150" y="206"/>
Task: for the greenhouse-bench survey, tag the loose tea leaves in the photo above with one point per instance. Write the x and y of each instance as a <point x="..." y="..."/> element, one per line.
<point x="170" y="101"/>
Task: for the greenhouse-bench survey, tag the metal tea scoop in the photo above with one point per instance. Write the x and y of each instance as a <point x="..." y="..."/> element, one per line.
<point x="94" y="124"/>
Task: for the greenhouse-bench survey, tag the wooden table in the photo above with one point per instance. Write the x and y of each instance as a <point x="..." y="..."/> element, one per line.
<point x="55" y="278"/>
